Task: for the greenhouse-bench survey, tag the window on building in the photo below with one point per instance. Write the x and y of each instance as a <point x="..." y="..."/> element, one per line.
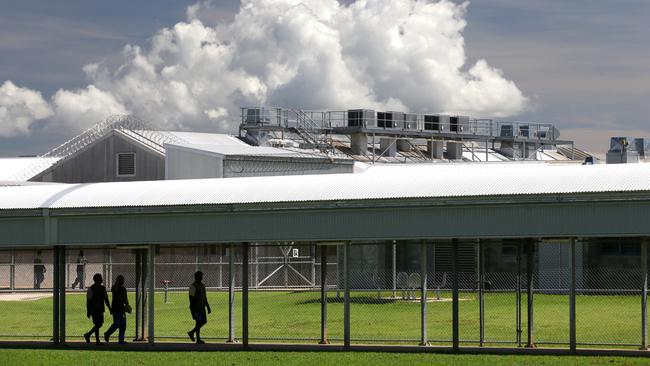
<point x="126" y="164"/>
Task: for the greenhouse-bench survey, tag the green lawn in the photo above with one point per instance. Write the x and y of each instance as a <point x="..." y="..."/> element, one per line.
<point x="374" y="318"/>
<point x="80" y="358"/>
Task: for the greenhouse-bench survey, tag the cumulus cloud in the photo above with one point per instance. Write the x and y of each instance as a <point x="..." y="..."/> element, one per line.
<point x="311" y="54"/>
<point x="82" y="108"/>
<point x="19" y="109"/>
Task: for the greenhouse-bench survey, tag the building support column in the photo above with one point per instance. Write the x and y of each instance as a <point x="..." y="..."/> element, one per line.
<point x="644" y="294"/>
<point x="454" y="276"/>
<point x="231" y="293"/>
<point x="245" y="267"/>
<point x="151" y="265"/>
<point x="424" y="341"/>
<point x="138" y="300"/>
<point x="346" y="296"/>
<point x="530" y="263"/>
<point x="572" y="296"/>
<point x="323" y="295"/>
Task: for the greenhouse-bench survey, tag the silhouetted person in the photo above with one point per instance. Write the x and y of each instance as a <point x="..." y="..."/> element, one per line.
<point x="198" y="305"/>
<point x="39" y="270"/>
<point x="81" y="270"/>
<point x="120" y="305"/>
<point x="96" y="297"/>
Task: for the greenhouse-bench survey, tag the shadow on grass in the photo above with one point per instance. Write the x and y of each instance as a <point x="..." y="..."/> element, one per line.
<point x="366" y="300"/>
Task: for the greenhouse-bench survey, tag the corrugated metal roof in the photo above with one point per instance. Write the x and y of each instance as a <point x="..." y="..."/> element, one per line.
<point x="22" y="169"/>
<point x="377" y="182"/>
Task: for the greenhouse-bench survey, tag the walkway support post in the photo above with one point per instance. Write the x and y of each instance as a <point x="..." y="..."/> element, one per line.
<point x="231" y="293"/>
<point x="530" y="263"/>
<point x="454" y="275"/>
<point x="244" y="285"/>
<point x="323" y="295"/>
<point x="394" y="263"/>
<point x="152" y="292"/>
<point x="62" y="282"/>
<point x="644" y="294"/>
<point x="572" y="297"/>
<point x="424" y="341"/>
<point x="481" y="298"/>
<point x="346" y="295"/>
<point x="138" y="299"/>
<point x="12" y="270"/>
<point x="518" y="293"/>
<point x="55" y="296"/>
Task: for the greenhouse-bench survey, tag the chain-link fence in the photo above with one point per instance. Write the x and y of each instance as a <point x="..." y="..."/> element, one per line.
<point x="385" y="279"/>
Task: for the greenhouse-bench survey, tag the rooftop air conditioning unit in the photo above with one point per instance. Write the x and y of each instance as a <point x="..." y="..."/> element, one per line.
<point x="524" y="131"/>
<point x="390" y="119"/>
<point x="257" y="116"/>
<point x="506" y="130"/>
<point x="410" y="121"/>
<point x="639" y="146"/>
<point x="459" y="124"/>
<point x="618" y="144"/>
<point x="435" y="122"/>
<point x="361" y="118"/>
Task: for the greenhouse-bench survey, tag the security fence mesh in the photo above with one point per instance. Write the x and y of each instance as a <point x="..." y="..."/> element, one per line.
<point x="385" y="281"/>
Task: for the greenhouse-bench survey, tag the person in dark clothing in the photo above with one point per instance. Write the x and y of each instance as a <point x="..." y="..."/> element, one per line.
<point x="96" y="297"/>
<point x="81" y="270"/>
<point x="198" y="305"/>
<point x="120" y="306"/>
<point x="39" y="270"/>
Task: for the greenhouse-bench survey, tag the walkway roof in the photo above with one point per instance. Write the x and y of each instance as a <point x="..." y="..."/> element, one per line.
<point x="375" y="183"/>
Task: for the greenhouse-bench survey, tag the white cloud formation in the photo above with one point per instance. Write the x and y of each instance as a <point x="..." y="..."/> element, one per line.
<point x="83" y="108"/>
<point x="311" y="54"/>
<point x="19" y="108"/>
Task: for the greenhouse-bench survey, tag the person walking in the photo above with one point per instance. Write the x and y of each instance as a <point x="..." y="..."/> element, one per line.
<point x="81" y="270"/>
<point x="96" y="297"/>
<point x="198" y="305"/>
<point x="120" y="306"/>
<point x="39" y="270"/>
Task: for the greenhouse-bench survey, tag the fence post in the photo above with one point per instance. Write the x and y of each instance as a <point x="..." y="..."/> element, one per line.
<point x="644" y="294"/>
<point x="530" y="263"/>
<point x="481" y="299"/>
<point x="572" y="297"/>
<point x="152" y="291"/>
<point x="454" y="275"/>
<point x="346" y="296"/>
<point x="423" y="294"/>
<point x="231" y="294"/>
<point x="323" y="295"/>
<point x="244" y="271"/>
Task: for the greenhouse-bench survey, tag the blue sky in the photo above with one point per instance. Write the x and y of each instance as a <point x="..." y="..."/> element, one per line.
<point x="584" y="65"/>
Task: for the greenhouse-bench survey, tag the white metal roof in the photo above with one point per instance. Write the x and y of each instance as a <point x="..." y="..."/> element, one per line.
<point x="377" y="182"/>
<point x="22" y="169"/>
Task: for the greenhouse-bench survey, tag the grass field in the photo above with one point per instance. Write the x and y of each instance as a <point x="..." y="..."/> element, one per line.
<point x="81" y="358"/>
<point x="283" y="316"/>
